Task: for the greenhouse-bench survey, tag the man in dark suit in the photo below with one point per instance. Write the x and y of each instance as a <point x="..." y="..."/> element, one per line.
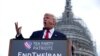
<point x="48" y="32"/>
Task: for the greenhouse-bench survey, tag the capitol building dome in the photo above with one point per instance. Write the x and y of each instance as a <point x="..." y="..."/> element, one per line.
<point x="76" y="30"/>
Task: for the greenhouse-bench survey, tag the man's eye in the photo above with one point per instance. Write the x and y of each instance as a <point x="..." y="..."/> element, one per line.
<point x="47" y="17"/>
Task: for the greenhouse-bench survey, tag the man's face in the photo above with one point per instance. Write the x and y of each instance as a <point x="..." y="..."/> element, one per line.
<point x="49" y="21"/>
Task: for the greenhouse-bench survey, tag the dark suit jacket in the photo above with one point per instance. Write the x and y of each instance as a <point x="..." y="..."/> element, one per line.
<point x="37" y="35"/>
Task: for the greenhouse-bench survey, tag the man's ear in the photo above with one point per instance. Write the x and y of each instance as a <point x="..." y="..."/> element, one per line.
<point x="54" y="22"/>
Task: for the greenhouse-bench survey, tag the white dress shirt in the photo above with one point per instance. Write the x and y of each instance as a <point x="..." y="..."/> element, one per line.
<point x="50" y="33"/>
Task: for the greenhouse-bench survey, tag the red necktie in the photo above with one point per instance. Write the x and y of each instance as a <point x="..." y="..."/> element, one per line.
<point x="47" y="34"/>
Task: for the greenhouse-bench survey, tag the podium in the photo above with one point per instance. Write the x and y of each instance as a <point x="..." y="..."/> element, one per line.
<point x="38" y="48"/>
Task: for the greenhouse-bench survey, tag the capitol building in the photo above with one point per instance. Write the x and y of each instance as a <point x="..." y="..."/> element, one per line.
<point x="76" y="30"/>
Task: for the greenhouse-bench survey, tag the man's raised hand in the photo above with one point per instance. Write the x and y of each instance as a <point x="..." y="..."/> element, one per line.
<point x="18" y="29"/>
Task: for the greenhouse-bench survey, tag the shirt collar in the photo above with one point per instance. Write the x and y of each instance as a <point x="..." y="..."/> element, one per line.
<point x="51" y="30"/>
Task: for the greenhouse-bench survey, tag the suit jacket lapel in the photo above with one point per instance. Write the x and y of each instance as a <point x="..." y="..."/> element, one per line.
<point x="54" y="35"/>
<point x="42" y="34"/>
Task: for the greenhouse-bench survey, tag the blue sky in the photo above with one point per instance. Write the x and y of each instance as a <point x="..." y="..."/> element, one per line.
<point x="29" y="14"/>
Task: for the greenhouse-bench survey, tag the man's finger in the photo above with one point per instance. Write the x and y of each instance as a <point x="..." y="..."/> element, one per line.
<point x="16" y="25"/>
<point x="17" y="28"/>
<point x="20" y="28"/>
